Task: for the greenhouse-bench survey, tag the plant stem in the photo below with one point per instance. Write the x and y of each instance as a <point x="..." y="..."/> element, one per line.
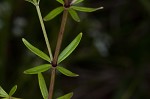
<point x="60" y="37"/>
<point x="44" y="32"/>
<point x="66" y="2"/>
<point x="57" y="50"/>
<point x="51" y="88"/>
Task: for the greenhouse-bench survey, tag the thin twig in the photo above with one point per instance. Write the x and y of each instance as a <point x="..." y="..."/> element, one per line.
<point x="51" y="88"/>
<point x="44" y="32"/>
<point x="57" y="50"/>
<point x="60" y="37"/>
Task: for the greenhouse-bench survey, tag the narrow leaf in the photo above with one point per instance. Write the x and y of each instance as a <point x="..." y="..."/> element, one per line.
<point x="74" y="15"/>
<point x="38" y="69"/>
<point x="53" y="13"/>
<point x="61" y="1"/>
<point x="70" y="48"/>
<point x="67" y="96"/>
<point x="42" y="85"/>
<point x="13" y="90"/>
<point x="76" y="1"/>
<point x="85" y="9"/>
<point x="36" y="50"/>
<point x="3" y="93"/>
<point x="66" y="71"/>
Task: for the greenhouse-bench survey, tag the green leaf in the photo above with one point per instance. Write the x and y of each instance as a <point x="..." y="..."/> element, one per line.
<point x="53" y="13"/>
<point x="13" y="90"/>
<point x="42" y="85"/>
<point x="85" y="9"/>
<point x="38" y="69"/>
<point x="70" y="48"/>
<point x="76" y="1"/>
<point x="61" y="1"/>
<point x="36" y="50"/>
<point x="67" y="96"/>
<point x="3" y="93"/>
<point x="66" y="71"/>
<point x="74" y="15"/>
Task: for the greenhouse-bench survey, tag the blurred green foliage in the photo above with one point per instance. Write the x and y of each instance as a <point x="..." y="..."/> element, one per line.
<point x="112" y="58"/>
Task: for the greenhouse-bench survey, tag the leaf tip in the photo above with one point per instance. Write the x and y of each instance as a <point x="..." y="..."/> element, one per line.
<point x="15" y="86"/>
<point x="25" y="72"/>
<point x="81" y="34"/>
<point x="76" y="75"/>
<point x="100" y="8"/>
<point x="23" y="39"/>
<point x="78" y="20"/>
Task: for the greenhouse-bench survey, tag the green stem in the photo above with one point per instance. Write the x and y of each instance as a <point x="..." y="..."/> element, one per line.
<point x="44" y="32"/>
<point x="51" y="88"/>
<point x="60" y="37"/>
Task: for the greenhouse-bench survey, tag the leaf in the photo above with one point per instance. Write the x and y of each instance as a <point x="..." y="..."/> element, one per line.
<point x="74" y="15"/>
<point x="13" y="90"/>
<point x="53" y="13"/>
<point x="67" y="96"/>
<point x="76" y="1"/>
<point x="38" y="69"/>
<point x="70" y="48"/>
<point x="3" y="93"/>
<point x="42" y="85"/>
<point x="36" y="50"/>
<point x="61" y="1"/>
<point x="85" y="9"/>
<point x="66" y="71"/>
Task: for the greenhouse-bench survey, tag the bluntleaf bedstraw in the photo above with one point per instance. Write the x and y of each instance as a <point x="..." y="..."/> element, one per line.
<point x="58" y="58"/>
<point x="53" y="61"/>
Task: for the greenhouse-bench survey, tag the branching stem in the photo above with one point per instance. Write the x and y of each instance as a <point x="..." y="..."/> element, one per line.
<point x="44" y="32"/>
<point x="57" y="50"/>
<point x="58" y="46"/>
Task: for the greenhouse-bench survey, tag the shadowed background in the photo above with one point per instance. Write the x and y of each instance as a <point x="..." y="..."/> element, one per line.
<point x="113" y="58"/>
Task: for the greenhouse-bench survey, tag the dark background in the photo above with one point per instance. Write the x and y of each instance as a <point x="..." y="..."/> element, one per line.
<point x="113" y="58"/>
